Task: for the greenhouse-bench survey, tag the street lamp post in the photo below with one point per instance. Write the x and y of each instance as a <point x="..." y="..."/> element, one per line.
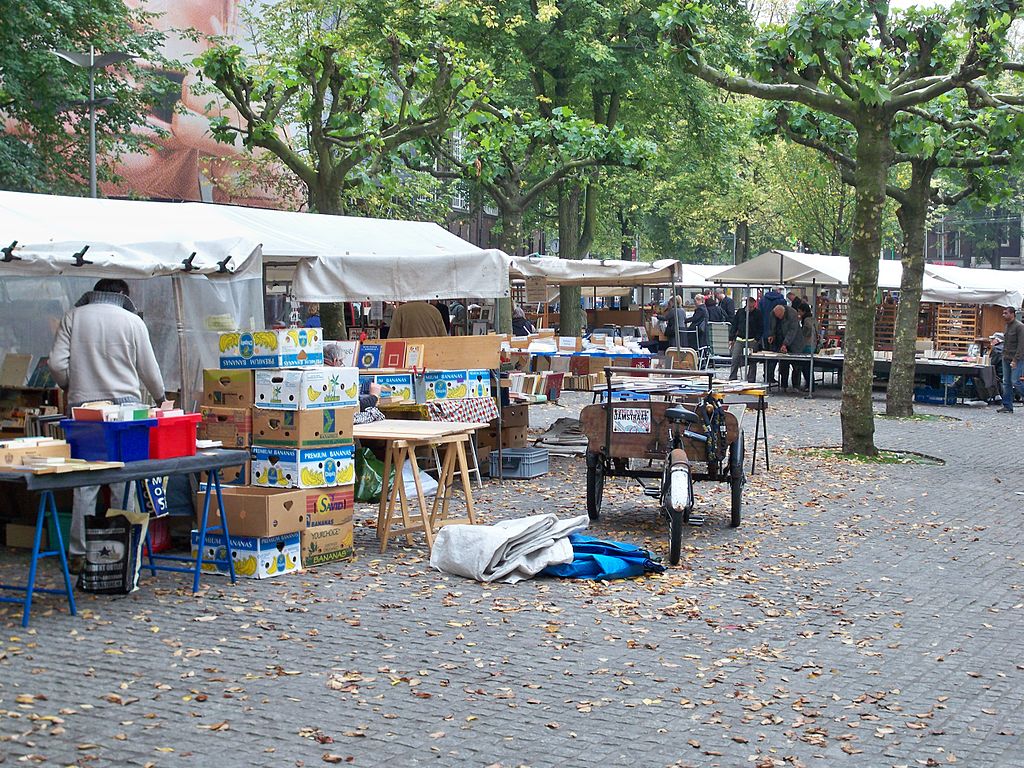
<point x="93" y="61"/>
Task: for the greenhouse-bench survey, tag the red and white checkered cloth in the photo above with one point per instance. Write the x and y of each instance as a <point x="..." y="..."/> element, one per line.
<point x="471" y="409"/>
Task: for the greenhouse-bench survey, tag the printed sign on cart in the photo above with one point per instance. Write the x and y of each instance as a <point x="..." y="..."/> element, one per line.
<point x="631" y="420"/>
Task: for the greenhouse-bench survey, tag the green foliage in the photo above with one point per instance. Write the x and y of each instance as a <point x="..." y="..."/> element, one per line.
<point x="336" y="94"/>
<point x="46" y="148"/>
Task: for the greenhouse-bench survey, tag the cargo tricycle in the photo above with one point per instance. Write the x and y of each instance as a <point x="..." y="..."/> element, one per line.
<point x="671" y="443"/>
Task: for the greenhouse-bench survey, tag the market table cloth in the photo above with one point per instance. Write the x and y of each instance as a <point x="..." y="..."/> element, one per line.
<point x="471" y="409"/>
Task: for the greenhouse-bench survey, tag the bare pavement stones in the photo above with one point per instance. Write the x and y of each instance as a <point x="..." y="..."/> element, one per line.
<point x="863" y="615"/>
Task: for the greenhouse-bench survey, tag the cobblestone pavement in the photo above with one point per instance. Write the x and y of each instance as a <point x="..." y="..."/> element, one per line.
<point x="863" y="615"/>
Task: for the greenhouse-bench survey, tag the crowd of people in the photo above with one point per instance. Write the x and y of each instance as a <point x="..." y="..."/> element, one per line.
<point x="774" y="322"/>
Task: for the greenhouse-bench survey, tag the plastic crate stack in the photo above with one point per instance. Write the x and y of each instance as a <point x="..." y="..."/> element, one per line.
<point x="292" y="506"/>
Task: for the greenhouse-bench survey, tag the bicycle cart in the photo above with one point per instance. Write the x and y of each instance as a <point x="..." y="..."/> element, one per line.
<point x="658" y="441"/>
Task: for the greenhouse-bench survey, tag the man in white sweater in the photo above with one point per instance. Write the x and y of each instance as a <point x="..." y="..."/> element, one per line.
<point x="102" y="351"/>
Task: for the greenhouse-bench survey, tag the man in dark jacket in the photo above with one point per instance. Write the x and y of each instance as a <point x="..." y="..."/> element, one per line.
<point x="767" y="304"/>
<point x="715" y="313"/>
<point x="744" y="338"/>
<point x="1013" y="359"/>
<point x="727" y="304"/>
<point x="787" y="335"/>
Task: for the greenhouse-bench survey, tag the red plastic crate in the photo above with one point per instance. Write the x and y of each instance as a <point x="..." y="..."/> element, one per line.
<point x="160" y="533"/>
<point x="174" y="436"/>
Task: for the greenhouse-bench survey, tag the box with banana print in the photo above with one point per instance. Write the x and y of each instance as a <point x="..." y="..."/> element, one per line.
<point x="253" y="557"/>
<point x="308" y="388"/>
<point x="289" y="347"/>
<point x="445" y="385"/>
<point x="400" y="384"/>
<point x="303" y="467"/>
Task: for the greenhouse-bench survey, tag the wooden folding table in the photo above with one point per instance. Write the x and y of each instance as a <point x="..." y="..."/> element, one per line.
<point x="402" y="439"/>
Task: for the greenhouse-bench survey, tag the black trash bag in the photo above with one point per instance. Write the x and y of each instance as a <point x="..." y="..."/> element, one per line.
<point x="113" y="552"/>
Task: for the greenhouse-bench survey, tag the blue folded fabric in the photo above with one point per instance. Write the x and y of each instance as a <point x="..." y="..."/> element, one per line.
<point x="600" y="560"/>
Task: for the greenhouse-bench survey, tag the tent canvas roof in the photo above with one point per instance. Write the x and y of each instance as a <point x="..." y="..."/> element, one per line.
<point x="941" y="283"/>
<point x="613" y="273"/>
<point x="126" y="238"/>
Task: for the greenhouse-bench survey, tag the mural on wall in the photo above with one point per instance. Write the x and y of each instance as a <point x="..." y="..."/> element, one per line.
<point x="186" y="162"/>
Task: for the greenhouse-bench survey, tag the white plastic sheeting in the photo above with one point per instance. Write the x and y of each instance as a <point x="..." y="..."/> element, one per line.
<point x="420" y="274"/>
<point x="128" y="237"/>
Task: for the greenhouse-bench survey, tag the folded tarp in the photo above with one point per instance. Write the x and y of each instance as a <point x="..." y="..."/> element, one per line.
<point x="509" y="551"/>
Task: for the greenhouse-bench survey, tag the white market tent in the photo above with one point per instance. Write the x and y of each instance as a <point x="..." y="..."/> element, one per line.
<point x="941" y="283"/>
<point x="345" y="258"/>
<point x="612" y="273"/>
<point x="207" y="273"/>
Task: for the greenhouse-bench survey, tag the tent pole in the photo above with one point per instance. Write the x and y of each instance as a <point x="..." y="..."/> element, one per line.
<point x="814" y="343"/>
<point x="672" y="308"/>
<point x="185" y="389"/>
<point x="746" y="332"/>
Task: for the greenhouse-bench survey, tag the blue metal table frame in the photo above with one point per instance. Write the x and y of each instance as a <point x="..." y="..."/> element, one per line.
<point x="210" y="462"/>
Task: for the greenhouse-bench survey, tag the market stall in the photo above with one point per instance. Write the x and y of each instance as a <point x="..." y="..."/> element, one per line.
<point x="191" y="273"/>
<point x="958" y="305"/>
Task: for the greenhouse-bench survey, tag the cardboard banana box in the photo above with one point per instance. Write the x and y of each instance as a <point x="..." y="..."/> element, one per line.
<point x="303" y="467"/>
<point x="307" y="388"/>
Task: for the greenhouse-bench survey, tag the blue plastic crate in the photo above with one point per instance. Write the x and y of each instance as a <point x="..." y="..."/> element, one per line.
<point x="935" y="395"/>
<point x="108" y="440"/>
<point x="520" y="463"/>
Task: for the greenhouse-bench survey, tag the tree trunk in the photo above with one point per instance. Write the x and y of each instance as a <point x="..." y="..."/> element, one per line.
<point x="510" y="241"/>
<point x="570" y="315"/>
<point x="742" y="242"/>
<point x="899" y="397"/>
<point x="332" y="315"/>
<point x="873" y="157"/>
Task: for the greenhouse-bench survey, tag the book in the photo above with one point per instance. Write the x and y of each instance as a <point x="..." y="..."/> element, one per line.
<point x="15" y="369"/>
<point x="369" y="355"/>
<point x="42" y="377"/>
<point x="414" y="356"/>
<point x="394" y="354"/>
<point x="348" y="352"/>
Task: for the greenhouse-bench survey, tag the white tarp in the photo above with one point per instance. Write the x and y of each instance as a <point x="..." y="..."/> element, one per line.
<point x="593" y="272"/>
<point x="347" y="258"/>
<point x="125" y="238"/>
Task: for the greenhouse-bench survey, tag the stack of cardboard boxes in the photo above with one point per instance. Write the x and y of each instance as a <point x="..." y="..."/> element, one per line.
<point x="293" y="503"/>
<point x="515" y="421"/>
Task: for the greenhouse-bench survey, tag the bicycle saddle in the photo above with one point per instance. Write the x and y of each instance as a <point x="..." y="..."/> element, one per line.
<point x="678" y="414"/>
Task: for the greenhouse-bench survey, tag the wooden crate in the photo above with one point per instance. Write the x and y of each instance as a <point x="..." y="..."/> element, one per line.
<point x="956" y="327"/>
<point x="885" y="326"/>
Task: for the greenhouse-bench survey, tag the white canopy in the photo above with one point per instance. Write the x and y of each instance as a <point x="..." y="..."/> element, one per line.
<point x="123" y="238"/>
<point x="1004" y="287"/>
<point x="941" y="283"/>
<point x="346" y="258"/>
<point x="593" y="272"/>
<point x="791" y="268"/>
<point x="413" y="276"/>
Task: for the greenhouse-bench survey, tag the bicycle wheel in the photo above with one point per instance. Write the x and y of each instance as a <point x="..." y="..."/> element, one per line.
<point x="595" y="485"/>
<point x="675" y="536"/>
<point x="737" y="480"/>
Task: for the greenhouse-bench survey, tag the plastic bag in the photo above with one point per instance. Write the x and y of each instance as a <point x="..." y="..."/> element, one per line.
<point x="113" y="552"/>
<point x="369" y="472"/>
